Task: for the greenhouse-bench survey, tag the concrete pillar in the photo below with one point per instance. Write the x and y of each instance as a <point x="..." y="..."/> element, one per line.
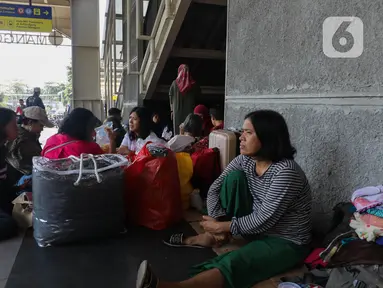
<point x="133" y="54"/>
<point x="278" y="58"/>
<point x="86" y="55"/>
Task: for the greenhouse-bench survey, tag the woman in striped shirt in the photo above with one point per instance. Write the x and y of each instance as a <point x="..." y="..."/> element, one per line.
<point x="263" y="196"/>
<point x="8" y="132"/>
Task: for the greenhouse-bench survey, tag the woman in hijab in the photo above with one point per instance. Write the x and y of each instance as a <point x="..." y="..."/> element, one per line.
<point x="203" y="112"/>
<point x="182" y="95"/>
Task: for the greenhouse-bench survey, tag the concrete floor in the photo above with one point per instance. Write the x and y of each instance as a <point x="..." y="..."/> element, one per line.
<point x="9" y="249"/>
<point x="8" y="252"/>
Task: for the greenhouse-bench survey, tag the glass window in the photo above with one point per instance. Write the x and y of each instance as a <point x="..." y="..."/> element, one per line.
<point x="118" y="29"/>
<point x="118" y="52"/>
<point x="118" y="6"/>
<point x="145" y="8"/>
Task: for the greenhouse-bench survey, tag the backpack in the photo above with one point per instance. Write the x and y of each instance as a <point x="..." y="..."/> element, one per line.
<point x="35" y="101"/>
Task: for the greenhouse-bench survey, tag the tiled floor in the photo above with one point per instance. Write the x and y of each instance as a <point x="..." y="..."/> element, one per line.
<point x="8" y="252"/>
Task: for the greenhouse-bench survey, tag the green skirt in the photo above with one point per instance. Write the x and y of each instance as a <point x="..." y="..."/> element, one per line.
<point x="260" y="259"/>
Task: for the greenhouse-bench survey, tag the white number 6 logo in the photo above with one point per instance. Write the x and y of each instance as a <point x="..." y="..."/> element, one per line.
<point x="343" y="37"/>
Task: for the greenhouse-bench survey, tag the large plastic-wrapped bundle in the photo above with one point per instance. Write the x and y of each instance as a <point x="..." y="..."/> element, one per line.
<point x="77" y="199"/>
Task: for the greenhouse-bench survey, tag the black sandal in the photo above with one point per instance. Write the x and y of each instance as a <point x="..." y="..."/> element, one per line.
<point x="176" y="240"/>
<point x="146" y="277"/>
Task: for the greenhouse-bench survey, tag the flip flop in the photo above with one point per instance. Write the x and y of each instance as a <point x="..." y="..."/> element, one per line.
<point x="176" y="240"/>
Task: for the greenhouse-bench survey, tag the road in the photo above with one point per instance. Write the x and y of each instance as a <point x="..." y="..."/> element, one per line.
<point x="47" y="132"/>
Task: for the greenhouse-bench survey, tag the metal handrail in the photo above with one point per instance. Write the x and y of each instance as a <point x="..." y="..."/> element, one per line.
<point x="164" y="8"/>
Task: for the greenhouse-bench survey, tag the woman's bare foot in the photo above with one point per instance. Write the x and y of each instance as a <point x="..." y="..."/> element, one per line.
<point x="204" y="240"/>
<point x="207" y="240"/>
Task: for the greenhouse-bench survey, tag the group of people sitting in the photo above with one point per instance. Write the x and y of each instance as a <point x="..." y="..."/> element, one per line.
<point x="20" y="134"/>
<point x="262" y="196"/>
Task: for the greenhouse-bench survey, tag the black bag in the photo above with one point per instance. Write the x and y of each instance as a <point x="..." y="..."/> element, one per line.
<point x="357" y="276"/>
<point x="340" y="222"/>
<point x="77" y="199"/>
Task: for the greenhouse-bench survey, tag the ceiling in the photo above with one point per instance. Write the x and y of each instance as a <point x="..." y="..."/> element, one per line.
<point x="60" y="9"/>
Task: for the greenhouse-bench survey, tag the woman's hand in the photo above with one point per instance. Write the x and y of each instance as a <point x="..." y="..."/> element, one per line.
<point x="182" y="129"/>
<point x="112" y="139"/>
<point x="123" y="150"/>
<point x="213" y="226"/>
<point x="111" y="134"/>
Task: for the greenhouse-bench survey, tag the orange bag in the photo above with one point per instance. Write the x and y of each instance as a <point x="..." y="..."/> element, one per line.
<point x="152" y="190"/>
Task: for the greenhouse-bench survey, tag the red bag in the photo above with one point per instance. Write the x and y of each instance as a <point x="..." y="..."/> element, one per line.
<point x="152" y="193"/>
<point x="206" y="169"/>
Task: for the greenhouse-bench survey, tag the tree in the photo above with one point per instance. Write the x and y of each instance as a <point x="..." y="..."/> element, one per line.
<point x="3" y="99"/>
<point x="53" y="88"/>
<point x="18" y="87"/>
<point x="68" y="86"/>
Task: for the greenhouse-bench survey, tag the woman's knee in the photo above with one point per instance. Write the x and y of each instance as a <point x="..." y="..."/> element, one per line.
<point x="235" y="175"/>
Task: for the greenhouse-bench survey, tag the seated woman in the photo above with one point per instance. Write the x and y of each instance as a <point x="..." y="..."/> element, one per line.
<point x="193" y="126"/>
<point x="216" y="115"/>
<point x="140" y="132"/>
<point x="190" y="132"/>
<point x="203" y="112"/>
<point x="161" y="127"/>
<point x="26" y="145"/>
<point x="264" y="196"/>
<point x="8" y="132"/>
<point x="76" y="136"/>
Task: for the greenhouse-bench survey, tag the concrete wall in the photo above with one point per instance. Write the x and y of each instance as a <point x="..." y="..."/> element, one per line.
<point x="333" y="106"/>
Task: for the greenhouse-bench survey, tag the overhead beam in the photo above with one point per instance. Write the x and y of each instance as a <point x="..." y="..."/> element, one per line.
<point x="212" y="2"/>
<point x="102" y="70"/>
<point x="204" y="89"/>
<point x="198" y="53"/>
<point x="51" y="3"/>
<point x="117" y="42"/>
<point x="118" y="16"/>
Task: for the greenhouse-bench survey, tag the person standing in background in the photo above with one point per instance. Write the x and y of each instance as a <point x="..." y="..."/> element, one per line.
<point x="21" y="107"/>
<point x="182" y="94"/>
<point x="35" y="99"/>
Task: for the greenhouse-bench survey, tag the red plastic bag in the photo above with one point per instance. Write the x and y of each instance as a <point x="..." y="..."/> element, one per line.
<point x="206" y="169"/>
<point x="152" y="193"/>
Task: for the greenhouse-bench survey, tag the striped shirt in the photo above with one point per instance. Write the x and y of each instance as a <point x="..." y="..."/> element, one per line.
<point x="281" y="201"/>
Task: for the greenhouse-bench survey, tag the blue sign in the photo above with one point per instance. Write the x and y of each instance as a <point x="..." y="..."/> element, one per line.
<point x="25" y="11"/>
<point x="25" y="18"/>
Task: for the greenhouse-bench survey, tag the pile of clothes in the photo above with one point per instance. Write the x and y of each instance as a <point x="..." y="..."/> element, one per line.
<point x="351" y="254"/>
<point x="368" y="218"/>
<point x="354" y="247"/>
